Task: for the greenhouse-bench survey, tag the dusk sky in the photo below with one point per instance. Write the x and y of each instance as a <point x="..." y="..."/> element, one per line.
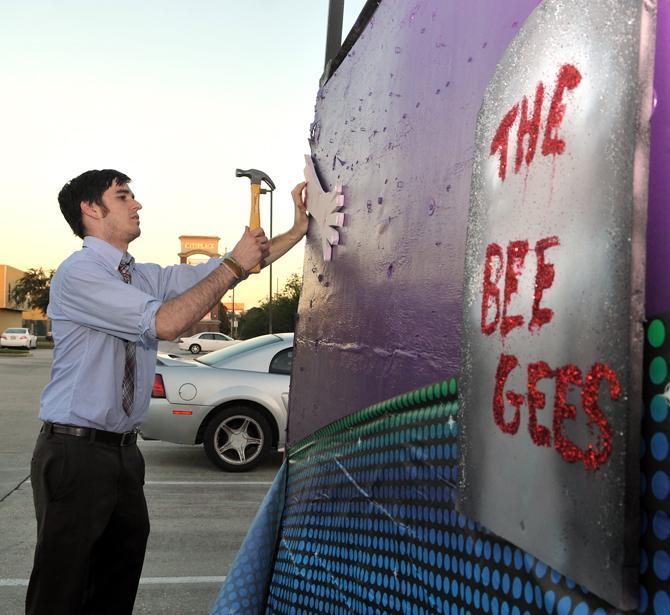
<point x="177" y="95"/>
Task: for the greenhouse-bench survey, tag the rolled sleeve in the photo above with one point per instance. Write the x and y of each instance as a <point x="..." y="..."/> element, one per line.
<point x="148" y="322"/>
<point x="177" y="279"/>
<point x="114" y="307"/>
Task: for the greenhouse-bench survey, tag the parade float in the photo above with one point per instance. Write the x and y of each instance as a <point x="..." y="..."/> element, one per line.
<point x="478" y="416"/>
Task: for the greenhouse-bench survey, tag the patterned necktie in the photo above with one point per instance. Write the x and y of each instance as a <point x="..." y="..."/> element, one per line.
<point x="128" y="386"/>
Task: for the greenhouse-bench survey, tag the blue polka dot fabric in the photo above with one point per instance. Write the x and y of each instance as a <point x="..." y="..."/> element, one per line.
<point x="245" y="589"/>
<point x="369" y="524"/>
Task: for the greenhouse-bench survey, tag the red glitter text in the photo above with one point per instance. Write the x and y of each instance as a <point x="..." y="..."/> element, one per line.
<point x="529" y="125"/>
<point x="599" y="448"/>
<point x="495" y="313"/>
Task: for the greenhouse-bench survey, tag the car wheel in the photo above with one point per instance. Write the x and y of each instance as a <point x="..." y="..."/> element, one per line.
<point x="237" y="438"/>
<point x="194" y="348"/>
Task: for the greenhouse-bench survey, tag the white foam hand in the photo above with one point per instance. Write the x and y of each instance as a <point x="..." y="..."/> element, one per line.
<point x="324" y="208"/>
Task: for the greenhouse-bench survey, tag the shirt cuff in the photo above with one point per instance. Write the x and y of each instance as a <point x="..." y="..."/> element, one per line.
<point x="147" y="328"/>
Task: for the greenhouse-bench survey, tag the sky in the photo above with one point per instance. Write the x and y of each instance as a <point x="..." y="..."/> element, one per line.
<point x="175" y="94"/>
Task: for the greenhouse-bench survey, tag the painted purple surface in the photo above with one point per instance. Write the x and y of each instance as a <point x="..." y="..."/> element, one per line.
<point x="658" y="224"/>
<point x="395" y="126"/>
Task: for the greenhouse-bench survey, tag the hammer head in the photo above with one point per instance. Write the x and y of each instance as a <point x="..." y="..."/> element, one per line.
<point x="255" y="176"/>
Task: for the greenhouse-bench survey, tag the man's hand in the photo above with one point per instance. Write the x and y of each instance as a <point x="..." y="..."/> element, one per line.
<point x="281" y="244"/>
<point x="301" y="219"/>
<point x="252" y="248"/>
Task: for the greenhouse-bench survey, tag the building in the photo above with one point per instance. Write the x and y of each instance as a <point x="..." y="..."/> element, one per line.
<point x="13" y="315"/>
<point x="197" y="249"/>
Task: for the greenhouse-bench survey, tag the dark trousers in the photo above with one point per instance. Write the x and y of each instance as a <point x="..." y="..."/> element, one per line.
<point x="92" y="527"/>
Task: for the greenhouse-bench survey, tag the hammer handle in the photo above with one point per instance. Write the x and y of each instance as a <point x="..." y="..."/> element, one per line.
<point x="255" y="219"/>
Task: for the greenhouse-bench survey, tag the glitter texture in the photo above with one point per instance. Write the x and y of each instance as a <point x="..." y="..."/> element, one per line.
<point x="506" y="364"/>
<point x="568" y="79"/>
<point x="564" y="411"/>
<point x="555" y="182"/>
<point x="596" y="455"/>
<point x="544" y="278"/>
<point x="536" y="401"/>
<point x="529" y="126"/>
<point x="516" y="255"/>
<point x="501" y="140"/>
<point x="490" y="291"/>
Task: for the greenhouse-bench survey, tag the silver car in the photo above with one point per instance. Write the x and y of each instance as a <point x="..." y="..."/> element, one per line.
<point x="233" y="401"/>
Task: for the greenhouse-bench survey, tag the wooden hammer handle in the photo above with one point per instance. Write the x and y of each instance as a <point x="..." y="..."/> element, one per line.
<point x="255" y="219"/>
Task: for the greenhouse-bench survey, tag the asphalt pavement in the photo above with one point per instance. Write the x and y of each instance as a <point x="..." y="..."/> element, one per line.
<point x="199" y="515"/>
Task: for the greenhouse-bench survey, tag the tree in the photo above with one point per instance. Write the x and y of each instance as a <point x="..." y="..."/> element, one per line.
<point x="284" y="308"/>
<point x="254" y="322"/>
<point x="32" y="290"/>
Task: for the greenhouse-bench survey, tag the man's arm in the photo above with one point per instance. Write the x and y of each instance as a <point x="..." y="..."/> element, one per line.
<point x="180" y="313"/>
<point x="281" y="244"/>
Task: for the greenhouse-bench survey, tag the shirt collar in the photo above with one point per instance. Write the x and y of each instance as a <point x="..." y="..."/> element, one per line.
<point x="111" y="255"/>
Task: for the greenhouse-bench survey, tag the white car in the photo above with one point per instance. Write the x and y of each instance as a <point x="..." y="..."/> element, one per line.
<point x="233" y="401"/>
<point x="18" y="337"/>
<point x="206" y="340"/>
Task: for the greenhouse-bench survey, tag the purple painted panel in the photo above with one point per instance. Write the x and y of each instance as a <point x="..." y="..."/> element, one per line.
<point x="395" y="126"/>
<point x="658" y="227"/>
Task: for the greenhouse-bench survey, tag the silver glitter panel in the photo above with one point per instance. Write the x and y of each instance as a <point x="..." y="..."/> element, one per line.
<point x="563" y="227"/>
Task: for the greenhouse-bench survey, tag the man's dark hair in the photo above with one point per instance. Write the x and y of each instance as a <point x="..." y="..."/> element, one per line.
<point x="88" y="187"/>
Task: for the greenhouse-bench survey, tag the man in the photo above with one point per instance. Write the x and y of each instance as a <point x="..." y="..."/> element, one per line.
<point x="108" y="314"/>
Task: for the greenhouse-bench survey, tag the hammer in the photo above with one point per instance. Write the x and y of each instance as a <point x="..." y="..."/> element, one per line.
<point x="256" y="177"/>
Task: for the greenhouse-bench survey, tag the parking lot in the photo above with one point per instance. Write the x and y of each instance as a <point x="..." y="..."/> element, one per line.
<point x="199" y="515"/>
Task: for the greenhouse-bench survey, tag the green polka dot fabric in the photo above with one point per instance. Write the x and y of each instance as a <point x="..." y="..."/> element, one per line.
<point x="655" y="466"/>
<point x="370" y="525"/>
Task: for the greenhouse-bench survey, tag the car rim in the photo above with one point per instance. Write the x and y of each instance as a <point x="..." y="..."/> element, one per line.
<point x="239" y="439"/>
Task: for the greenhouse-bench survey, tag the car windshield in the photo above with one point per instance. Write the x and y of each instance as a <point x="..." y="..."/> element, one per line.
<point x="16" y="331"/>
<point x="219" y="356"/>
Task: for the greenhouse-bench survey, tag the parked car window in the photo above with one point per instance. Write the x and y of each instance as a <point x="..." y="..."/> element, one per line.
<point x="23" y="331"/>
<point x="221" y="337"/>
<point x="219" y="356"/>
<point x="206" y="336"/>
<point x="281" y="363"/>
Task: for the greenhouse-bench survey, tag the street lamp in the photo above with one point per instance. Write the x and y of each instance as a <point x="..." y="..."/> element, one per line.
<point x="231" y="318"/>
<point x="232" y="313"/>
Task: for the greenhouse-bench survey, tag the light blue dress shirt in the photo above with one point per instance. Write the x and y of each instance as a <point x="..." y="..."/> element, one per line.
<point x="94" y="312"/>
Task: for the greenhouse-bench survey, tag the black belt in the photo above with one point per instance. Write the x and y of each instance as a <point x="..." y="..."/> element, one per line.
<point x="94" y="435"/>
